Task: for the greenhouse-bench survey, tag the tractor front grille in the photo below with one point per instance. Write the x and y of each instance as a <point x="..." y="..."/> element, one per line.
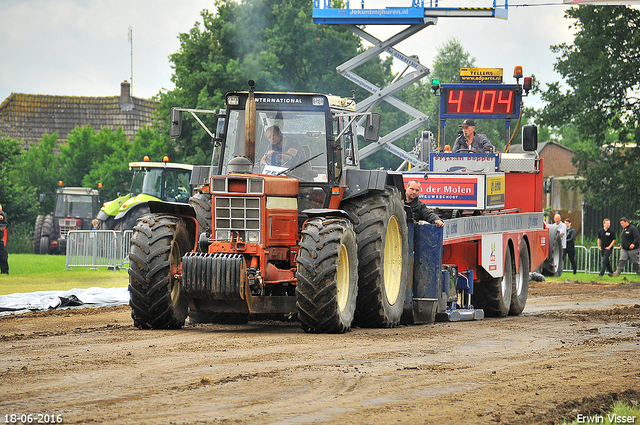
<point x="236" y="215"/>
<point x="66" y="225"/>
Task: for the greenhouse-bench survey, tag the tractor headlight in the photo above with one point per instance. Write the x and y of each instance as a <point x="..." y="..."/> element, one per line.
<point x="223" y="235"/>
<point x="253" y="236"/>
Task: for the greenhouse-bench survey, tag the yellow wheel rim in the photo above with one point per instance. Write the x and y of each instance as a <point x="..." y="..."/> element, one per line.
<point x="392" y="261"/>
<point x="343" y="278"/>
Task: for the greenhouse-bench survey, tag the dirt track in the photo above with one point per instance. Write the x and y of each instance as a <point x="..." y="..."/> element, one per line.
<point x="574" y="348"/>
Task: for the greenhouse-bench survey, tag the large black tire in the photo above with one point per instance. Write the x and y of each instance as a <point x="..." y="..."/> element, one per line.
<point x="327" y="275"/>
<point x="383" y="257"/>
<point x="157" y="246"/>
<point x="48" y="234"/>
<point x="43" y="245"/>
<point x="494" y="295"/>
<point x="201" y="203"/>
<point x="37" y="233"/>
<point x="520" y="290"/>
<point x="108" y="224"/>
<point x="129" y="221"/>
<point x="554" y="262"/>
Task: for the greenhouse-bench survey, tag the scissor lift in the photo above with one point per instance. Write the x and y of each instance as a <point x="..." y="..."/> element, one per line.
<point x="417" y="17"/>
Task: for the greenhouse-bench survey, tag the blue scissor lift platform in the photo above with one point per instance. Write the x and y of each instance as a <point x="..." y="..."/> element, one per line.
<point x="416" y="17"/>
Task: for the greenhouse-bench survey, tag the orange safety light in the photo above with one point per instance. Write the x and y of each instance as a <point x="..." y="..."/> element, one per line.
<point x="60" y="183"/>
<point x="165" y="158"/>
<point x="146" y="158"/>
<point x="517" y="72"/>
<point x="100" y="185"/>
<point x="447" y="148"/>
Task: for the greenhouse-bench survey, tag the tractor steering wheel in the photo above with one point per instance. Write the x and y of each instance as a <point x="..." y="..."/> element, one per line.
<point x="280" y="159"/>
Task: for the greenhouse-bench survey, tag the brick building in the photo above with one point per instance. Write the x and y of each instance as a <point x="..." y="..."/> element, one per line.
<point x="27" y="117"/>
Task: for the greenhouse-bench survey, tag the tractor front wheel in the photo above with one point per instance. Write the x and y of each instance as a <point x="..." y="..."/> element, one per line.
<point x="37" y="233"/>
<point x="383" y="259"/>
<point x="157" y="246"/>
<point x="327" y="275"/>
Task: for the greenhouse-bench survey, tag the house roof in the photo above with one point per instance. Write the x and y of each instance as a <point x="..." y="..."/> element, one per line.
<point x="28" y="117"/>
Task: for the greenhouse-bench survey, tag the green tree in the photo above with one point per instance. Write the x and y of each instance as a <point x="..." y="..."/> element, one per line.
<point x="17" y="199"/>
<point x="601" y="101"/>
<point x="40" y="168"/>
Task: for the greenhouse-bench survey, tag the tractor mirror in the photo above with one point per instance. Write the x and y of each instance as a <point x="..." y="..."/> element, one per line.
<point x="176" y="123"/>
<point x="42" y="198"/>
<point x="220" y="128"/>
<point x="372" y="128"/>
<point x="529" y="137"/>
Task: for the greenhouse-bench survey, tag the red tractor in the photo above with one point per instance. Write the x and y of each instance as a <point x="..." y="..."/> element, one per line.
<point x="298" y="228"/>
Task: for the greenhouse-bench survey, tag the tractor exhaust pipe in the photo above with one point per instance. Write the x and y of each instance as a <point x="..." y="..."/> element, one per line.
<point x="250" y="125"/>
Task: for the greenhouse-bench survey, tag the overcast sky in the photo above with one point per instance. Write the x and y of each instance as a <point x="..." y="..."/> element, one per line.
<point x="81" y="48"/>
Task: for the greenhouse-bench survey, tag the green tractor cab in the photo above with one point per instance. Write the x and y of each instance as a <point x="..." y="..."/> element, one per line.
<point x="152" y="181"/>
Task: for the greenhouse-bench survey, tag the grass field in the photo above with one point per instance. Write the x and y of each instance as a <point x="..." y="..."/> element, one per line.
<point x="31" y="272"/>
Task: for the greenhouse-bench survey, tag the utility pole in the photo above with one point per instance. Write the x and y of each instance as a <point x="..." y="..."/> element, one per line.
<point x="131" y="43"/>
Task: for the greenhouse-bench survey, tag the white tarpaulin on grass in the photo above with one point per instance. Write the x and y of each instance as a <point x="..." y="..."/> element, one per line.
<point x="73" y="298"/>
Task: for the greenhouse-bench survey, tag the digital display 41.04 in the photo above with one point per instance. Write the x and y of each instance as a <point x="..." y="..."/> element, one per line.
<point x="490" y="101"/>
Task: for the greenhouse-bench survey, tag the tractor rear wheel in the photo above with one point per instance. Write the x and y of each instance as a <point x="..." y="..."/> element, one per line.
<point x="157" y="246"/>
<point x="201" y="203"/>
<point x="327" y="275"/>
<point x="37" y="232"/>
<point x="383" y="258"/>
<point x="494" y="295"/>
<point x="521" y="282"/>
<point x="43" y="244"/>
<point x="47" y="235"/>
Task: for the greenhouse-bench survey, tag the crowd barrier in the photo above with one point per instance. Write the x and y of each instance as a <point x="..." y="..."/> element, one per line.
<point x="98" y="248"/>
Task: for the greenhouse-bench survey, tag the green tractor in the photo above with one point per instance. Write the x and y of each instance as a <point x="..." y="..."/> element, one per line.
<point x="152" y="181"/>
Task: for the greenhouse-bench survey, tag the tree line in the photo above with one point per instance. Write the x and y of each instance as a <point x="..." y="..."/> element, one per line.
<point x="594" y="111"/>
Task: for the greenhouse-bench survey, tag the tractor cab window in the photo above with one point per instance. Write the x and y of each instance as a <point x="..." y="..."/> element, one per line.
<point x="148" y="182"/>
<point x="76" y="206"/>
<point x="349" y="138"/>
<point x="176" y="186"/>
<point x="292" y="143"/>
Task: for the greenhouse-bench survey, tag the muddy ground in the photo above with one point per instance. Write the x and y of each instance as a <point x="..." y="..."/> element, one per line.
<point x="575" y="348"/>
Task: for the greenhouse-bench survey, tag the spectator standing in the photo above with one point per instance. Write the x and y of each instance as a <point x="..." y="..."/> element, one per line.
<point x="606" y="241"/>
<point x="630" y="244"/>
<point x="562" y="229"/>
<point x="419" y="210"/>
<point x="4" y="256"/>
<point x="571" y="244"/>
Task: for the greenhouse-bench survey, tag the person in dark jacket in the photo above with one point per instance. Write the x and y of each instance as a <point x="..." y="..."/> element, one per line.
<point x="4" y="257"/>
<point x="630" y="244"/>
<point x="469" y="140"/>
<point x="418" y="209"/>
<point x="606" y="241"/>
<point x="571" y="244"/>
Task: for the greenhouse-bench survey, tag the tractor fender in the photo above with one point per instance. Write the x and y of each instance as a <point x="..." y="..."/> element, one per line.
<point x="185" y="211"/>
<point x="327" y="212"/>
<point x="360" y="182"/>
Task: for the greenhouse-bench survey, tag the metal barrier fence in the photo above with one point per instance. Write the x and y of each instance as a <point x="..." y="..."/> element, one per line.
<point x="589" y="260"/>
<point x="98" y="248"/>
<point x="107" y="248"/>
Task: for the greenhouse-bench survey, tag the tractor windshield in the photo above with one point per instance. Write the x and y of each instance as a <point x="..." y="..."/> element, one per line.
<point x="292" y="143"/>
<point x="76" y="206"/>
<point x="147" y="181"/>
